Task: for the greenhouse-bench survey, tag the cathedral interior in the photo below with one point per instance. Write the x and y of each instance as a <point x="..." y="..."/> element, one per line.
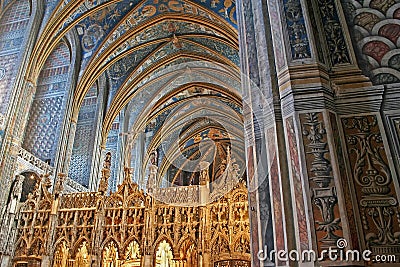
<point x="199" y="133"/>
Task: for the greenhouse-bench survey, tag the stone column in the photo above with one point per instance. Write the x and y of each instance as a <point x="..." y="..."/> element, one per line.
<point x="49" y="245"/>
<point x="308" y="59"/>
<point x="148" y="260"/>
<point x="270" y="208"/>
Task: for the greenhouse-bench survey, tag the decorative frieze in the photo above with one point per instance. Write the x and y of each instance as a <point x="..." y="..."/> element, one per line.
<point x="345" y="182"/>
<point x="335" y="38"/>
<point x="298" y="36"/>
<point x="374" y="184"/>
<point x="321" y="182"/>
<point x="29" y="161"/>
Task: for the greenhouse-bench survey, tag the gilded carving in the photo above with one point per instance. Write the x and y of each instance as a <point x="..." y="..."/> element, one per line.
<point x="118" y="229"/>
<point x="105" y="173"/>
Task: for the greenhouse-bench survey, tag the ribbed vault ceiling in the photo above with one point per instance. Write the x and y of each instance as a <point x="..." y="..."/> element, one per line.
<point x="158" y="57"/>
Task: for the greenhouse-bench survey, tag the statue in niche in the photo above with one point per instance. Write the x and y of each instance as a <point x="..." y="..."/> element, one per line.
<point x="204" y="172"/>
<point x="107" y="161"/>
<point x="153" y="157"/>
<point x="103" y="185"/>
<point x="61" y="255"/>
<point x="59" y="187"/>
<point x="153" y="169"/>
<point x="17" y="189"/>
<point x="164" y="255"/>
<point x="110" y="256"/>
<point x="15" y="195"/>
<point x="82" y="258"/>
<point x="9" y="210"/>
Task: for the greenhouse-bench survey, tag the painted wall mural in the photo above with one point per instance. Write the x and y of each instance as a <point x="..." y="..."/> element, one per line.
<point x="84" y="142"/>
<point x="374" y="184"/>
<point x="334" y="34"/>
<point x="101" y="25"/>
<point x="376" y="31"/>
<point x="346" y="183"/>
<point x="93" y="29"/>
<point x="298" y="36"/>
<point x="48" y="107"/>
<point x="325" y="210"/>
<point x="223" y="8"/>
<point x="13" y="25"/>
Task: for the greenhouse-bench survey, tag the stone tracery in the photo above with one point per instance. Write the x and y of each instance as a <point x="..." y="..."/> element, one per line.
<point x="130" y="228"/>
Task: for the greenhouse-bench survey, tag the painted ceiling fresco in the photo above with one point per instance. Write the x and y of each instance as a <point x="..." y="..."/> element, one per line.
<point x="146" y="59"/>
<point x="376" y="31"/>
<point x="144" y="50"/>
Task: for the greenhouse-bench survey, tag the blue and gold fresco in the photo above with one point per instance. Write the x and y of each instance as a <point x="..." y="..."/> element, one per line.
<point x="93" y="29"/>
<point x="297" y="30"/>
<point x="120" y="70"/>
<point x="220" y="48"/>
<point x="223" y="8"/>
<point x="110" y="25"/>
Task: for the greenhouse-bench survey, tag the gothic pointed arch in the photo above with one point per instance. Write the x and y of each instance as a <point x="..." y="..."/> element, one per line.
<point x="61" y="253"/>
<point x="132" y="251"/>
<point x="80" y="252"/>
<point x="111" y="253"/>
<point x="15" y="18"/>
